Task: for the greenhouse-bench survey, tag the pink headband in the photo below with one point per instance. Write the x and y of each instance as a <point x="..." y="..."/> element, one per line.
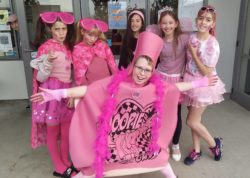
<point x="88" y="24"/>
<point x="51" y="17"/>
<point x="136" y="12"/>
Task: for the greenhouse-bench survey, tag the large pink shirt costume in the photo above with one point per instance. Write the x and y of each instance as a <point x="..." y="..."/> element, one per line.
<point x="172" y="63"/>
<point x="208" y="52"/>
<point x="130" y="128"/>
<point x="92" y="63"/>
<point x="52" y="112"/>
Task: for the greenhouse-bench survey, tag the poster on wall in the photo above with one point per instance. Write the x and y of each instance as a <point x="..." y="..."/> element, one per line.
<point x="117" y="15"/>
<point x="4" y="3"/>
<point x="4" y="16"/>
<point x="187" y="12"/>
<point x="5" y="42"/>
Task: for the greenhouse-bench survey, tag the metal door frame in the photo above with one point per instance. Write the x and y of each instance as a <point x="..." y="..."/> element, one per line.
<point x="25" y="49"/>
<point x="236" y="94"/>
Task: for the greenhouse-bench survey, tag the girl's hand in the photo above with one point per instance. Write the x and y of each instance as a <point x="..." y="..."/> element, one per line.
<point x="193" y="48"/>
<point x="48" y="95"/>
<point x="70" y="103"/>
<point x="51" y="56"/>
<point x="212" y="80"/>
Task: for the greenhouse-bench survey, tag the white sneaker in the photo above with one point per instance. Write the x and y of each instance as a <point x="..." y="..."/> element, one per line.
<point x="176" y="152"/>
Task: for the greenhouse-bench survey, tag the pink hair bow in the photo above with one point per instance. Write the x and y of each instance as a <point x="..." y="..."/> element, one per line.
<point x="88" y="24"/>
<point x="51" y="17"/>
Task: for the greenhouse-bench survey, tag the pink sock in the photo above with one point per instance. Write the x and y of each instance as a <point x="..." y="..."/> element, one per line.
<point x="168" y="172"/>
<point x="64" y="146"/>
<point x="52" y="137"/>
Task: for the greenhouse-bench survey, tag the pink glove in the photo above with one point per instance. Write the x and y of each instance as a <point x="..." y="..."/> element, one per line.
<point x="203" y="82"/>
<point x="49" y="95"/>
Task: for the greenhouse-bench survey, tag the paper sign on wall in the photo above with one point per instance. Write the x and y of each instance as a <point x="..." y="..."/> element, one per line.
<point x="5" y="42"/>
<point x="117" y="15"/>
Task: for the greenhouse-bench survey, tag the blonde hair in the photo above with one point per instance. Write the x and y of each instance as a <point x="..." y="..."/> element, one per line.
<point x="93" y="31"/>
<point x="147" y="58"/>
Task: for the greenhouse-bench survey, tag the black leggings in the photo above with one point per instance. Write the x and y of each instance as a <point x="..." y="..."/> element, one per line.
<point x="177" y="132"/>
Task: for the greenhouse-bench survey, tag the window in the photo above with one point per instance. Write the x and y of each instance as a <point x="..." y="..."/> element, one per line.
<point x="9" y="37"/>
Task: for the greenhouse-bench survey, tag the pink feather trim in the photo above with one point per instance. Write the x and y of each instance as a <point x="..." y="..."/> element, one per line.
<point x="101" y="142"/>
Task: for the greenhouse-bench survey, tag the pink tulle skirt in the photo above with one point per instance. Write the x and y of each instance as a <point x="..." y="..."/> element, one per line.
<point x="53" y="112"/>
<point x="175" y="78"/>
<point x="203" y="96"/>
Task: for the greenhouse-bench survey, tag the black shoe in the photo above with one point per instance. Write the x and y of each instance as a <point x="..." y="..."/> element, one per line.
<point x="192" y="157"/>
<point x="217" y="150"/>
<point x="67" y="173"/>
<point x="74" y="169"/>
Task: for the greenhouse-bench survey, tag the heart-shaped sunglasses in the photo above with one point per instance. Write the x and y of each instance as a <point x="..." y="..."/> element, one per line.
<point x="51" y="17"/>
<point x="88" y="24"/>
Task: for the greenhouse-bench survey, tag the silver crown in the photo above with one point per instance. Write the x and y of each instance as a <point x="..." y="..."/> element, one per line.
<point x="166" y="8"/>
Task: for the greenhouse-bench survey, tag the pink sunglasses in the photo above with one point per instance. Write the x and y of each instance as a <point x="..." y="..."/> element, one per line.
<point x="51" y="17"/>
<point x="210" y="9"/>
<point x="88" y="24"/>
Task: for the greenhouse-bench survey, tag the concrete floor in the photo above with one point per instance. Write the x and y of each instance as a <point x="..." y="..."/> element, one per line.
<point x="228" y="120"/>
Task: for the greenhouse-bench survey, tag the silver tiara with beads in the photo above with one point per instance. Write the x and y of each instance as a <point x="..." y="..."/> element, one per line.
<point x="166" y="8"/>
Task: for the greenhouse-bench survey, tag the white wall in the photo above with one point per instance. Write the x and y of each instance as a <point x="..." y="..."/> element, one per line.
<point x="227" y="26"/>
<point x="12" y="80"/>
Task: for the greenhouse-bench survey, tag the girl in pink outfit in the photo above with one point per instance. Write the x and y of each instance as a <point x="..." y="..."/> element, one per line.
<point x="129" y="118"/>
<point x="92" y="57"/>
<point x="172" y="61"/>
<point x="52" y="70"/>
<point x="203" y="55"/>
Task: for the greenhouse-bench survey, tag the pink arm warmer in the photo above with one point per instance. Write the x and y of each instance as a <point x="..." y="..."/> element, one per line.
<point x="203" y="82"/>
<point x="49" y="95"/>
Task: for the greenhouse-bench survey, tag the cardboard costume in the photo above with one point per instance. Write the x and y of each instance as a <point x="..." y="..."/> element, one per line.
<point x="134" y="121"/>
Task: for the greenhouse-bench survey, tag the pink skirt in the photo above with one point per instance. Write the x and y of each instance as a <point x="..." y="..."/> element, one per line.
<point x="53" y="112"/>
<point x="203" y="96"/>
<point x="172" y="78"/>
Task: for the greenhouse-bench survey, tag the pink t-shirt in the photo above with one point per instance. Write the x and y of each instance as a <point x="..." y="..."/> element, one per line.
<point x="171" y="63"/>
<point x="130" y="127"/>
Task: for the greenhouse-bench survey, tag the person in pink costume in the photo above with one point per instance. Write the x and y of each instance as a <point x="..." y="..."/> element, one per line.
<point x="123" y="124"/>
<point x="172" y="60"/>
<point x="202" y="57"/>
<point x="52" y="70"/>
<point x="92" y="57"/>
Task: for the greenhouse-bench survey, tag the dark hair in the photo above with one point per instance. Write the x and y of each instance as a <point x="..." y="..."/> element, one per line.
<point x="177" y="31"/>
<point x="126" y="55"/>
<point x="42" y="34"/>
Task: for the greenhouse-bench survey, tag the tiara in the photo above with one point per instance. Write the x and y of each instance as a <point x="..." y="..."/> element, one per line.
<point x="166" y="8"/>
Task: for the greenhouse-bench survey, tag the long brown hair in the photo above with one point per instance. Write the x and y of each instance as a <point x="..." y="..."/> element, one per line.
<point x="129" y="34"/>
<point x="177" y="31"/>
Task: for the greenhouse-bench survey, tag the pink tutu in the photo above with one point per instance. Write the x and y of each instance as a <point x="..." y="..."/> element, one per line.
<point x="53" y="112"/>
<point x="203" y="96"/>
<point x="172" y="80"/>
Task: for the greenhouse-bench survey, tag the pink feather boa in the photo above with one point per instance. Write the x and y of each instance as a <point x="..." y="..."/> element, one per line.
<point x="101" y="142"/>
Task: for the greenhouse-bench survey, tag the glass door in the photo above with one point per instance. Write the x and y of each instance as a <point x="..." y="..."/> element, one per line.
<point x="241" y="79"/>
<point x="28" y="13"/>
<point x="102" y="9"/>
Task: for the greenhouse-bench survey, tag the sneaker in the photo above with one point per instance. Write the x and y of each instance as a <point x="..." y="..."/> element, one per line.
<point x="175" y="152"/>
<point x="192" y="157"/>
<point x="217" y="150"/>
